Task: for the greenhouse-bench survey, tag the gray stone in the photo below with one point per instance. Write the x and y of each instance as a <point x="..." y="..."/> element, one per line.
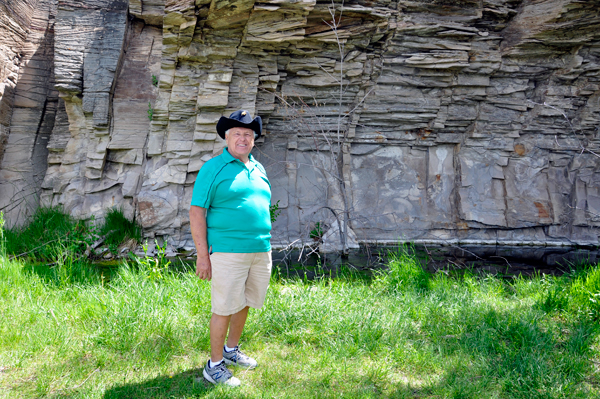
<point x="332" y="242"/>
<point x="471" y="122"/>
<point x="482" y="197"/>
<point x="157" y="207"/>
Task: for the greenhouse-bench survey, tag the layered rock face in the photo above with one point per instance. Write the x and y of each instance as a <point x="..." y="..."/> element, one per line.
<point x="428" y="120"/>
<point x="15" y="19"/>
<point x="28" y="102"/>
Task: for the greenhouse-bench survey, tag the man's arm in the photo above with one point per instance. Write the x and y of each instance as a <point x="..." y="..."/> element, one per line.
<point x="198" y="226"/>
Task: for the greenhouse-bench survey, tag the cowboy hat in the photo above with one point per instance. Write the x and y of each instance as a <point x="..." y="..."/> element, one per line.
<point x="239" y="118"/>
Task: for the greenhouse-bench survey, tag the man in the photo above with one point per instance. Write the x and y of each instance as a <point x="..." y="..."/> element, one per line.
<point x="231" y="227"/>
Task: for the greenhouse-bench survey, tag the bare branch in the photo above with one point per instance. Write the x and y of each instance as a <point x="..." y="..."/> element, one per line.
<point x="581" y="146"/>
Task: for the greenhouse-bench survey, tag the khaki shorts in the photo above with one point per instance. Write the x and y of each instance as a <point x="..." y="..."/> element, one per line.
<point x="239" y="280"/>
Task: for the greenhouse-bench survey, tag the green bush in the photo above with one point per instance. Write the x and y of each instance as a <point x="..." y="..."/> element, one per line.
<point x="51" y="232"/>
<point x="54" y="246"/>
<point x="274" y="211"/>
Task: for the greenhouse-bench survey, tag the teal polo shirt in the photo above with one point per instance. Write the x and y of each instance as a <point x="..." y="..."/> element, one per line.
<point x="237" y="198"/>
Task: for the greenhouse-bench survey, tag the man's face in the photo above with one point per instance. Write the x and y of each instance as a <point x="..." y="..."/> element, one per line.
<point x="240" y="141"/>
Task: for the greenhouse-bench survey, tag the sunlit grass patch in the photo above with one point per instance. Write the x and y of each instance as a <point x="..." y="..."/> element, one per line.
<point x="139" y="336"/>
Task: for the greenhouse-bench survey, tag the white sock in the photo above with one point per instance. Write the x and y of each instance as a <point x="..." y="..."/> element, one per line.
<point x="211" y="364"/>
<point x="228" y="349"/>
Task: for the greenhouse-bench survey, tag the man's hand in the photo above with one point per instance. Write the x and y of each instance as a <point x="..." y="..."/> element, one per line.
<point x="198" y="226"/>
<point x="203" y="267"/>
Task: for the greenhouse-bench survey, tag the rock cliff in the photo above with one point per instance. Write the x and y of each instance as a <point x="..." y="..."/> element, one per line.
<point x="429" y="120"/>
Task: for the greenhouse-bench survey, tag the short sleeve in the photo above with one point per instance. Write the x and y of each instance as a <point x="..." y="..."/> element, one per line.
<point x="263" y="171"/>
<point x="204" y="186"/>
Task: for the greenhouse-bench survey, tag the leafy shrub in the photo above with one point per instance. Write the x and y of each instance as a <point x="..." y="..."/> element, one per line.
<point x="274" y="211"/>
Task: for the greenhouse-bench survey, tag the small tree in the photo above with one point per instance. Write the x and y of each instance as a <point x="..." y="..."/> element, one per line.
<point x="331" y="142"/>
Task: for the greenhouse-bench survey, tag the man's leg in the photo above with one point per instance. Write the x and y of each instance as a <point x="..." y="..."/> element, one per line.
<point x="236" y="327"/>
<point x="218" y="374"/>
<point x="218" y="330"/>
<point x="234" y="355"/>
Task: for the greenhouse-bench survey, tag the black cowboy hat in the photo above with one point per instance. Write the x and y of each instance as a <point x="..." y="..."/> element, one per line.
<point x="239" y="118"/>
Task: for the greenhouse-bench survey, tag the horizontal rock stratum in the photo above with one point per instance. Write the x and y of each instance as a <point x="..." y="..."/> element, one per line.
<point x="438" y="121"/>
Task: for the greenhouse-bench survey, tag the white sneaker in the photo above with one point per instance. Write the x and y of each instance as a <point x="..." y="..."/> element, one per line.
<point x="220" y="375"/>
<point x="238" y="358"/>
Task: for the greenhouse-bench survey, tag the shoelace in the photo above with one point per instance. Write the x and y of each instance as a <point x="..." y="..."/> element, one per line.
<point x="220" y="371"/>
<point x="236" y="352"/>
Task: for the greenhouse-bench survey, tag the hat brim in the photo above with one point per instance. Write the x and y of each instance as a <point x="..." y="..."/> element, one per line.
<point x="225" y="124"/>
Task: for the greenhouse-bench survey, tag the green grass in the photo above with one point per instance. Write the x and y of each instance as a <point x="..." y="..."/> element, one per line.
<point x="50" y="233"/>
<point x="48" y="226"/>
<point x="117" y="229"/>
<point x="402" y="334"/>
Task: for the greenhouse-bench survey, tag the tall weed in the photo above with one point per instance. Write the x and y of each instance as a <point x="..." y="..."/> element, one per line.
<point x="154" y="267"/>
<point x="47" y="227"/>
<point x="405" y="272"/>
<point x="117" y="229"/>
<point x="51" y="230"/>
<point x="554" y="295"/>
<point x="585" y="293"/>
<point x="68" y="267"/>
<point x="576" y="293"/>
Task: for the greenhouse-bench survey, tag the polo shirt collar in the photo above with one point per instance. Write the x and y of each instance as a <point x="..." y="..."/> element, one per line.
<point x="229" y="158"/>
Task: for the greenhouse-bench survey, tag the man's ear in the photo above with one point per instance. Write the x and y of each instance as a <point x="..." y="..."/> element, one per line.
<point x="255" y="135"/>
